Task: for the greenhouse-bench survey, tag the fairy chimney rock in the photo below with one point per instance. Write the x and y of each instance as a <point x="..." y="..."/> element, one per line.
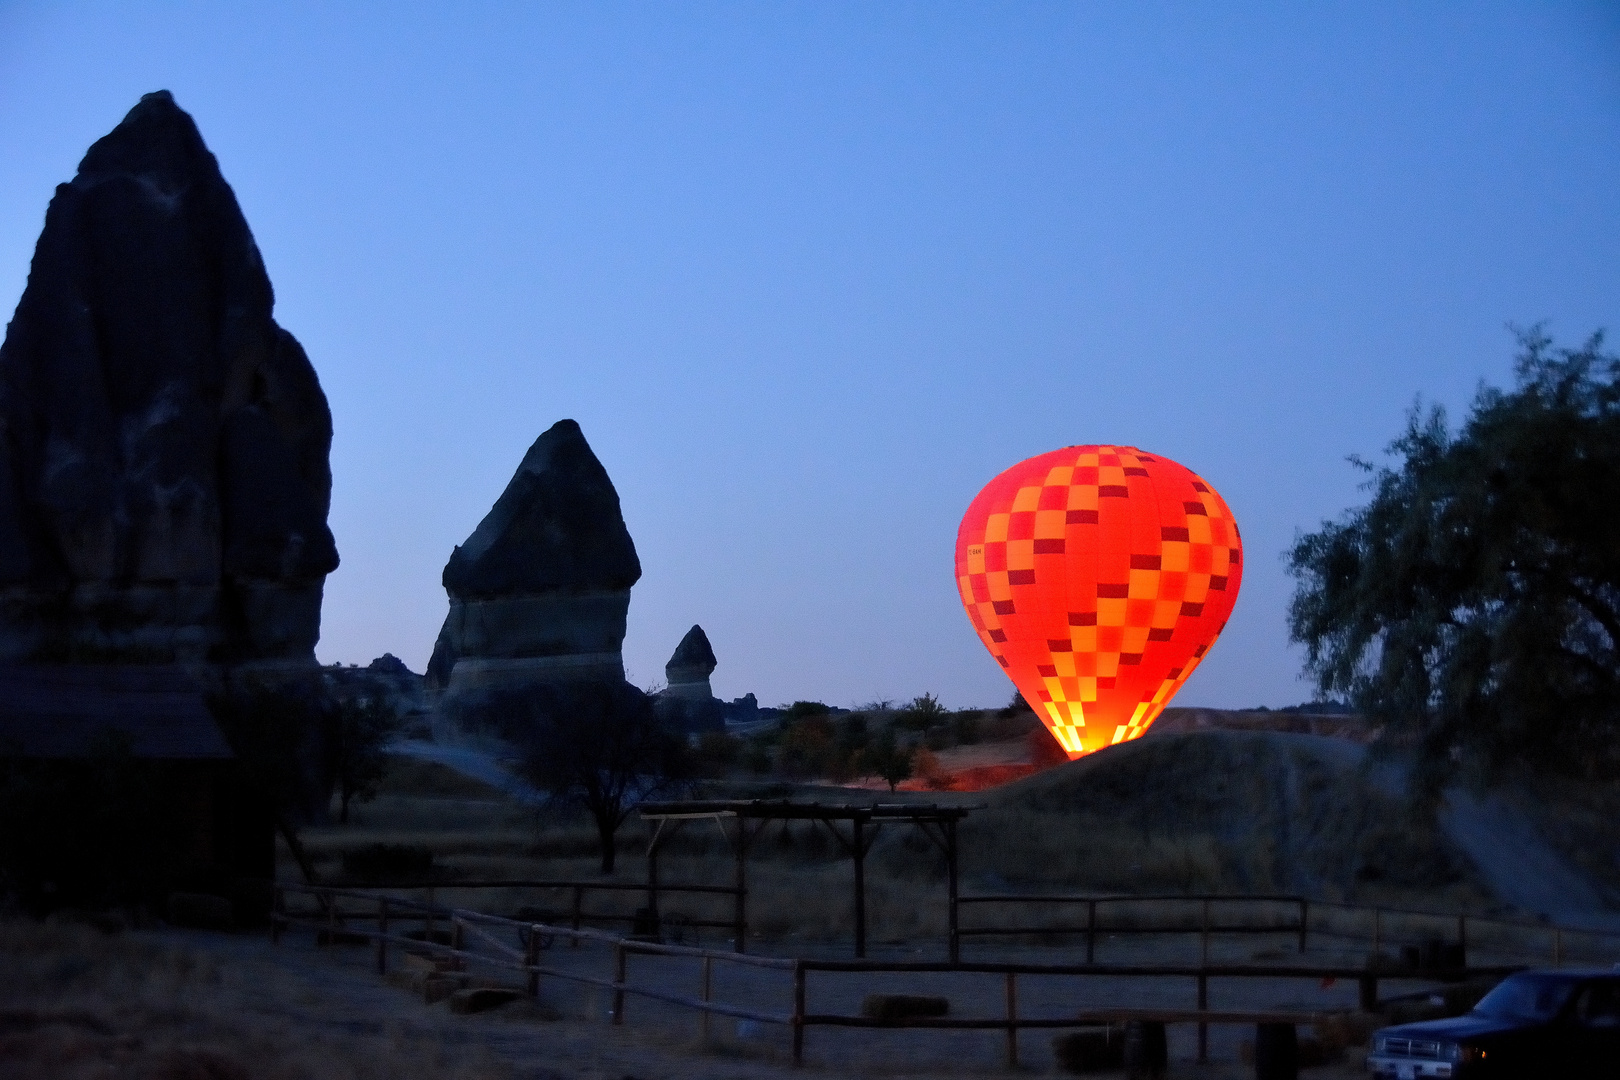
<point x="164" y="476"/>
<point x="689" y="669"/>
<point x="540" y="591"/>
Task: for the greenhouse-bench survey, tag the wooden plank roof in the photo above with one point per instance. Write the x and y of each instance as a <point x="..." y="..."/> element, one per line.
<point x="62" y="710"/>
<point x="786" y="809"/>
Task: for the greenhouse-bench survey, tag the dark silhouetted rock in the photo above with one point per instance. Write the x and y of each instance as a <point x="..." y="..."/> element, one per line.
<point x="689" y="669"/>
<point x="388" y="680"/>
<point x="688" y="703"/>
<point x="163" y="443"/>
<point x="540" y="591"/>
<point x="743" y="710"/>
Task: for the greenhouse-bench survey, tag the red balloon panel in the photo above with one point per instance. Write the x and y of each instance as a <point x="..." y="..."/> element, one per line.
<point x="1098" y="577"/>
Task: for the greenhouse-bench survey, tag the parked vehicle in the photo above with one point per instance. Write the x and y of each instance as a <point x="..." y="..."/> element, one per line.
<point x="1562" y="1024"/>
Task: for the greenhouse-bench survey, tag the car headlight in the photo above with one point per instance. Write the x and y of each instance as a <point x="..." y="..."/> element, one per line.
<point x="1461" y="1052"/>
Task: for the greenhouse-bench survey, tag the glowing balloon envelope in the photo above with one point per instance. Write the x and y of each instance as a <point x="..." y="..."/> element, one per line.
<point x="1098" y="577"/>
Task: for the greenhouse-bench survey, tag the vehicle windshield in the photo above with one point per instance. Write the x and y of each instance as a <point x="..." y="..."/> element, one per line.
<point x="1526" y="997"/>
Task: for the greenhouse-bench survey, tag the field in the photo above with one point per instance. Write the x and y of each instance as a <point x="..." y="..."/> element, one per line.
<point x="1194" y="812"/>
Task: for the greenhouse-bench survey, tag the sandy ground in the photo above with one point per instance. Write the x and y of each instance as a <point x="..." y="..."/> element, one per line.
<point x="337" y="986"/>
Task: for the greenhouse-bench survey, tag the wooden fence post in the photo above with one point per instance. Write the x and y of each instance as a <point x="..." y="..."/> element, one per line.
<point x="531" y="958"/>
<point x="1203" y="1025"/>
<point x="618" y="983"/>
<point x="382" y="935"/>
<point x="1378" y="927"/>
<point x="1012" y="1020"/>
<point x="1091" y="931"/>
<point x="798" y="1013"/>
<point x="579" y="903"/>
<point x="708" y="973"/>
<point x="1204" y="937"/>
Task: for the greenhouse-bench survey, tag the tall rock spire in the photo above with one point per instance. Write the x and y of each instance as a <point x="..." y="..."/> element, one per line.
<point x="541" y="589"/>
<point x="164" y="477"/>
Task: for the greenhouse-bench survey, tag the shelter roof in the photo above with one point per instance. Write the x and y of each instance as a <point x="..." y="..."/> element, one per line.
<point x="788" y="809"/>
<point x="61" y="710"/>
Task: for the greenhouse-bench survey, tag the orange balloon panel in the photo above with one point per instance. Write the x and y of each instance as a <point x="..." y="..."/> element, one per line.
<point x="1098" y="576"/>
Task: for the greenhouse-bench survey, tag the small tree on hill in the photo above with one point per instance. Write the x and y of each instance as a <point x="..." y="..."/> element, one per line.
<point x="886" y="760"/>
<point x="599" y="746"/>
<point x="361" y="729"/>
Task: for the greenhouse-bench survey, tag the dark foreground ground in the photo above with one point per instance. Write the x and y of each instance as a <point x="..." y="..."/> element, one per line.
<point x="183" y="1005"/>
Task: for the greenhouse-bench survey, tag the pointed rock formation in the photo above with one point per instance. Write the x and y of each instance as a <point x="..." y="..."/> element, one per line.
<point x="164" y="479"/>
<point x="540" y="590"/>
<point x="688" y="703"/>
<point x="689" y="669"/>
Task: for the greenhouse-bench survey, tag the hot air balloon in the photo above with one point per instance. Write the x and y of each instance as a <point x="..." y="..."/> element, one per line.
<point x="1098" y="577"/>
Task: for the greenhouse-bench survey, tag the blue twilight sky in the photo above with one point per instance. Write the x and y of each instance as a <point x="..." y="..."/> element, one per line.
<point x="810" y="274"/>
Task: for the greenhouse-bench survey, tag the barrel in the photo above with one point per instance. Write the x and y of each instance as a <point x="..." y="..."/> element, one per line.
<point x="1276" y="1052"/>
<point x="1146" y="1055"/>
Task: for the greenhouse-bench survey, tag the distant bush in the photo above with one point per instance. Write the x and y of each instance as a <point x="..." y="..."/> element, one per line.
<point x="388" y="862"/>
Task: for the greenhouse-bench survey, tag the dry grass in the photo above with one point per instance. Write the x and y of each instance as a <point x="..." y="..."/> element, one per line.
<point x="1202" y="812"/>
<point x="78" y="1005"/>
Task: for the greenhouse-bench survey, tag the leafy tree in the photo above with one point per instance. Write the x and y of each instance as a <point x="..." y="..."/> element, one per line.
<point x="922" y="713"/>
<point x="886" y="760"/>
<point x="361" y="729"/>
<point x="807" y="746"/>
<point x="1474" y="602"/>
<point x="597" y="745"/>
<point x="799" y="710"/>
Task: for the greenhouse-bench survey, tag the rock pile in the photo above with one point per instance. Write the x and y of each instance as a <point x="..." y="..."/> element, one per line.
<point x="163" y="443"/>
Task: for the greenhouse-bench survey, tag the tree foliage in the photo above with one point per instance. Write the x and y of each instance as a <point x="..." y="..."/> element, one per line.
<point x="361" y="729"/>
<point x="1474" y="602"/>
<point x="597" y="745"/>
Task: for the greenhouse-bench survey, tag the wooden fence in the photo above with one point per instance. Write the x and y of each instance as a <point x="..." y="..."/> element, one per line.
<point x="472" y="941"/>
<point x="1205" y="919"/>
<point x="576" y="915"/>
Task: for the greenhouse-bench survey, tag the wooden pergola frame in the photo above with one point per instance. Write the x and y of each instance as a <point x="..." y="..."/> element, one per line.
<point x="936" y="822"/>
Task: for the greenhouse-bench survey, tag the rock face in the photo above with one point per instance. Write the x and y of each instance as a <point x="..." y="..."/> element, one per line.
<point x="689" y="669"/>
<point x="688" y="703"/>
<point x="164" y="480"/>
<point x="540" y="590"/>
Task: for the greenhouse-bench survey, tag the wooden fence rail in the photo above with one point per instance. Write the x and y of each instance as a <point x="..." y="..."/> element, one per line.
<point x="577" y="915"/>
<point x="1204" y="924"/>
<point x="330" y="916"/>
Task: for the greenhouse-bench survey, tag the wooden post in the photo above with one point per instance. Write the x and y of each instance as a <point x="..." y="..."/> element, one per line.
<point x="859" y="852"/>
<point x="708" y="972"/>
<point x="1378" y="927"/>
<point x="652" y="884"/>
<point x="1369" y="993"/>
<point x="618" y="983"/>
<point x="382" y="935"/>
<point x="1012" y="1020"/>
<point x="1304" y="921"/>
<point x="579" y="905"/>
<point x="1091" y="931"/>
<point x="740" y="930"/>
<point x="1203" y="937"/>
<point x="798" y="1013"/>
<point x="531" y="959"/>
<point x="1203" y="1025"/>
<point x="951" y="872"/>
